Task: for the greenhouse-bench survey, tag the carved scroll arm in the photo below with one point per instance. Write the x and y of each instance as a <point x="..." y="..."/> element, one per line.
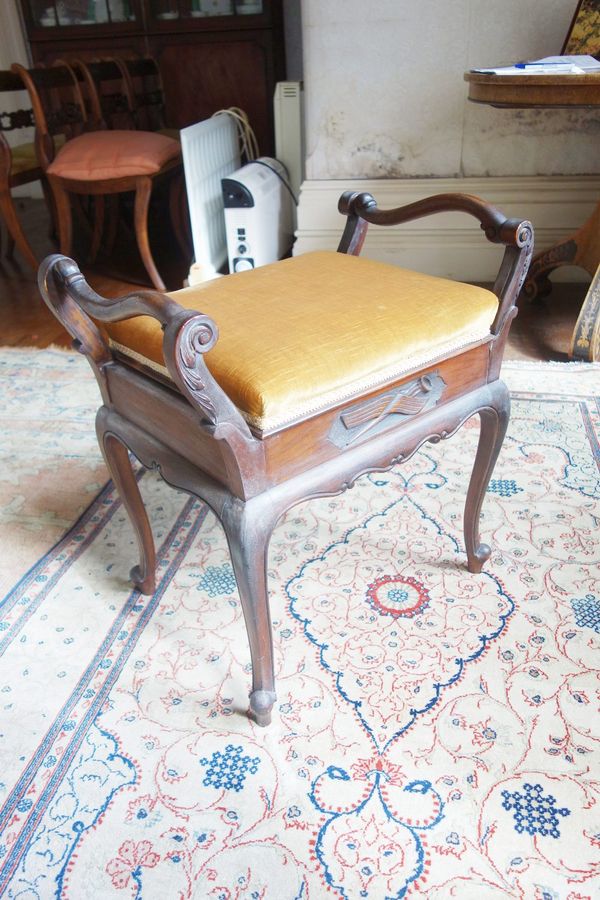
<point x="187" y="337"/>
<point x="517" y="235"/>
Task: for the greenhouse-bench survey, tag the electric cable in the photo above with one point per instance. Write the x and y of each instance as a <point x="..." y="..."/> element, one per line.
<point x="261" y="162"/>
<point x="246" y="135"/>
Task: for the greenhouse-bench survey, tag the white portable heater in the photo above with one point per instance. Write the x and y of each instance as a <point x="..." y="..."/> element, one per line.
<point x="259" y="214"/>
<point x="288" y="109"/>
<point x="210" y="151"/>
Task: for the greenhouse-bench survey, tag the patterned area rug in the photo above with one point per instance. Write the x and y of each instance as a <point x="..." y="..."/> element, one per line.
<point x="435" y="734"/>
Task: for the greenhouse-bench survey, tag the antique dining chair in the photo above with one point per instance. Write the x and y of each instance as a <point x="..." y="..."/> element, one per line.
<point x="146" y="93"/>
<point x="18" y="165"/>
<point x="97" y="163"/>
<point x="142" y="82"/>
<point x="108" y="93"/>
<point x="267" y="387"/>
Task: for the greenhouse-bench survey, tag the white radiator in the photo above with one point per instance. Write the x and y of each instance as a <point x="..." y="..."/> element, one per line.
<point x="210" y="152"/>
<point x="289" y="130"/>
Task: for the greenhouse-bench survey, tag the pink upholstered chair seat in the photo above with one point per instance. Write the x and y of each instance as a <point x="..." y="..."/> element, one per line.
<point x="101" y="155"/>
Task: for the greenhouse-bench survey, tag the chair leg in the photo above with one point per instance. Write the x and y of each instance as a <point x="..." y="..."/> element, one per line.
<point x="142" y="202"/>
<point x="99" y="206"/>
<point x="51" y="207"/>
<point x="117" y="459"/>
<point x="113" y="222"/>
<point x="15" y="232"/>
<point x="494" y="422"/>
<point x="248" y="533"/>
<point x="62" y="204"/>
<point x="180" y="216"/>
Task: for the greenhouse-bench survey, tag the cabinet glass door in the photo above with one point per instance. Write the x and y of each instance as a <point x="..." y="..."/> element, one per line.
<point x="163" y="10"/>
<point x="53" y="13"/>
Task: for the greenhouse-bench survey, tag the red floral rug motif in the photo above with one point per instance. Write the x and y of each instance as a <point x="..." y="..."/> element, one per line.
<point x="399" y="597"/>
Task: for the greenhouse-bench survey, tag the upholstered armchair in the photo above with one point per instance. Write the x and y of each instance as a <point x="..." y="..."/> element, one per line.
<point x="268" y="387"/>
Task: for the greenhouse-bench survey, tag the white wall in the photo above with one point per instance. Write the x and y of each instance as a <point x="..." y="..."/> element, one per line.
<point x="12" y="42"/>
<point x="385" y="95"/>
<point x="385" y="99"/>
<point x="13" y="49"/>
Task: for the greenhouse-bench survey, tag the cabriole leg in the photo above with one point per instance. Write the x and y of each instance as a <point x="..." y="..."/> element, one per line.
<point x="141" y="206"/>
<point x="494" y="422"/>
<point x="248" y="536"/>
<point x="15" y="232"/>
<point x="117" y="459"/>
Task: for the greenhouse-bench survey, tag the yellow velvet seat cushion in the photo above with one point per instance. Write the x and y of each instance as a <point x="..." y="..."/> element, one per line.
<point x="99" y="155"/>
<point x="300" y="335"/>
<point x="24" y="157"/>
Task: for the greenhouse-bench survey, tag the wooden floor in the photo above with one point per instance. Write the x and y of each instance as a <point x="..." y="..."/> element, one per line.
<point x="540" y="331"/>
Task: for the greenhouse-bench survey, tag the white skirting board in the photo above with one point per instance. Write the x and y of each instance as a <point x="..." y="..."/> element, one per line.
<point x="450" y="245"/>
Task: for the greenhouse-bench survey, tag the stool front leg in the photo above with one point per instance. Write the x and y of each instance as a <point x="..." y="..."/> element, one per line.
<point x="494" y="422"/>
<point x="248" y="529"/>
<point x="117" y="459"/>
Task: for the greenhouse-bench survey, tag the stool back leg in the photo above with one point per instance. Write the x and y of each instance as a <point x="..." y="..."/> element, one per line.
<point x="494" y="422"/>
<point x="248" y="527"/>
<point x="119" y="465"/>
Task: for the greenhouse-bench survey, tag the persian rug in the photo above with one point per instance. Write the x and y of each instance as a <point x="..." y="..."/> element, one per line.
<point x="435" y="735"/>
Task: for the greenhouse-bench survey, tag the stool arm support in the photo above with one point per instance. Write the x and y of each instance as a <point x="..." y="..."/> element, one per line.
<point x="515" y="234"/>
<point x="498" y="229"/>
<point x="187" y="337"/>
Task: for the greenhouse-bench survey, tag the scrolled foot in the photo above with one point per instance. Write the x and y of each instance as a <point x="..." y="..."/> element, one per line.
<point x="536" y="288"/>
<point x="145" y="585"/>
<point x="476" y="561"/>
<point x="261" y="704"/>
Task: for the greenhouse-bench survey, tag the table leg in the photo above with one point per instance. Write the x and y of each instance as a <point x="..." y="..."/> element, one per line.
<point x="580" y="249"/>
<point x="585" y="344"/>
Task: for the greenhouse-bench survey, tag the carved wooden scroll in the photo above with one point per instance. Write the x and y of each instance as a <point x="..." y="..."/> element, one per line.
<point x="367" y="418"/>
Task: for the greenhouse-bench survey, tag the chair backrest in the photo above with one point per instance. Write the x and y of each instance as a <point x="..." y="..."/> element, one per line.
<point x="12" y="120"/>
<point x="146" y="92"/>
<point x="109" y="94"/>
<point x="58" y="106"/>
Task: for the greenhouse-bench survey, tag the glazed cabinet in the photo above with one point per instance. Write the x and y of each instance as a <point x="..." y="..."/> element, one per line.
<point x="211" y="53"/>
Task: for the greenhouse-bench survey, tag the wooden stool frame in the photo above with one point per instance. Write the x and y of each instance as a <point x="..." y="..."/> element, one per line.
<point x="199" y="441"/>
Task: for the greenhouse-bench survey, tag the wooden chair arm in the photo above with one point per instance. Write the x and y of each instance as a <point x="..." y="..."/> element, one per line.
<point x="517" y="235"/>
<point x="188" y="336"/>
<point x="498" y="229"/>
